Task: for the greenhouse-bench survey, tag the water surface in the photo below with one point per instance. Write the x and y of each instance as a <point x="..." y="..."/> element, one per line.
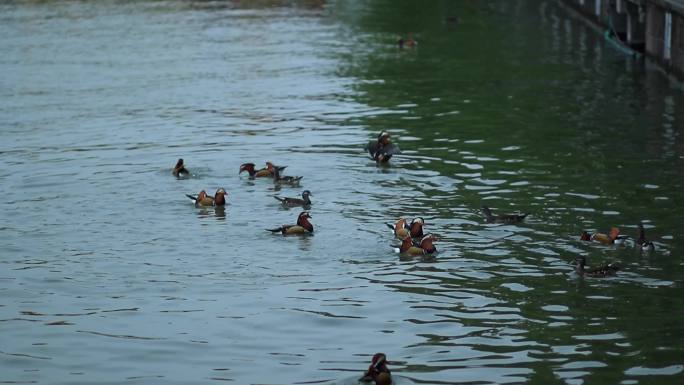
<point x="110" y="275"/>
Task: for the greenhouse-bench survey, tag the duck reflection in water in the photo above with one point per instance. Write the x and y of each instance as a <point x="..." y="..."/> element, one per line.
<point x="602" y="271"/>
<point x="502" y="218"/>
<point x="218" y="212"/>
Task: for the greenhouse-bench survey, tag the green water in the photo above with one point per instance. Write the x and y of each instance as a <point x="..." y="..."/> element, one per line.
<point x="110" y="275"/>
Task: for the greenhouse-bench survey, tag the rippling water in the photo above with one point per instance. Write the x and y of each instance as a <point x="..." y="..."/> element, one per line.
<point x="109" y="274"/>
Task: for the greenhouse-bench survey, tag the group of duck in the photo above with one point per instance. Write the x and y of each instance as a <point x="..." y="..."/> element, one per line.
<point x="377" y="372"/>
<point x="414" y="242"/>
<point x="303" y="225"/>
<point x="613" y="237"/>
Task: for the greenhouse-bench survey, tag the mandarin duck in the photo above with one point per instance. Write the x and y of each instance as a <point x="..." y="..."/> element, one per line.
<point x="382" y="149"/>
<point x="294" y="202"/>
<point x="179" y="171"/>
<point x="596" y="272"/>
<point x="253" y="173"/>
<point x="303" y="226"/>
<point x="400" y="229"/>
<point x="613" y="237"/>
<point x="204" y="200"/>
<point x="378" y="371"/>
<point x="642" y="242"/>
<point x="424" y="247"/>
<point x="290" y="180"/>
<point x="408" y="42"/>
<point x="502" y="218"/>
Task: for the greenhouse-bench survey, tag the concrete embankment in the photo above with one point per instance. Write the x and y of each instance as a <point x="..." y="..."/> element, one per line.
<point x="654" y="28"/>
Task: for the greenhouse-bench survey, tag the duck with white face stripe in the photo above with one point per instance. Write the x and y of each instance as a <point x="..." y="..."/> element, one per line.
<point x="267" y="171"/>
<point x="377" y="371"/>
<point x="204" y="200"/>
<point x="382" y="149"/>
<point x="303" y="226"/>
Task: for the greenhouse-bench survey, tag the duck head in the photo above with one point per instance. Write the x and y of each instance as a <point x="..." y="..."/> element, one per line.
<point x="303" y="220"/>
<point x="379" y="363"/>
<point x="417" y="227"/>
<point x="303" y="216"/>
<point x="306" y="194"/>
<point x="272" y="167"/>
<point x="585" y="236"/>
<point x="249" y="167"/>
<point x="179" y="169"/>
<point x="384" y="138"/>
<point x="220" y="197"/>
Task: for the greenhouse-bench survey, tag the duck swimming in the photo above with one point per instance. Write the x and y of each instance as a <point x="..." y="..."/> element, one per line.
<point x="253" y="173"/>
<point x="179" y="171"/>
<point x="204" y="200"/>
<point x="378" y="371"/>
<point x="596" y="272"/>
<point x="294" y="202"/>
<point x="382" y="149"/>
<point x="303" y="226"/>
<point x="290" y="180"/>
<point x="424" y="247"/>
<point x="502" y="218"/>
<point x="607" y="239"/>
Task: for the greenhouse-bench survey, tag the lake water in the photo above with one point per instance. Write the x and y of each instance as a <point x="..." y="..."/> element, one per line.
<point x="109" y="274"/>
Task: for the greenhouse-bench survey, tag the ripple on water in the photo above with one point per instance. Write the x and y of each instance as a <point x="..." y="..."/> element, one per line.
<point x="646" y="371"/>
<point x="103" y="251"/>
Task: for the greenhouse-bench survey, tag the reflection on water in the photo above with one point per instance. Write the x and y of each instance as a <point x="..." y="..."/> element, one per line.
<point x="110" y="274"/>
